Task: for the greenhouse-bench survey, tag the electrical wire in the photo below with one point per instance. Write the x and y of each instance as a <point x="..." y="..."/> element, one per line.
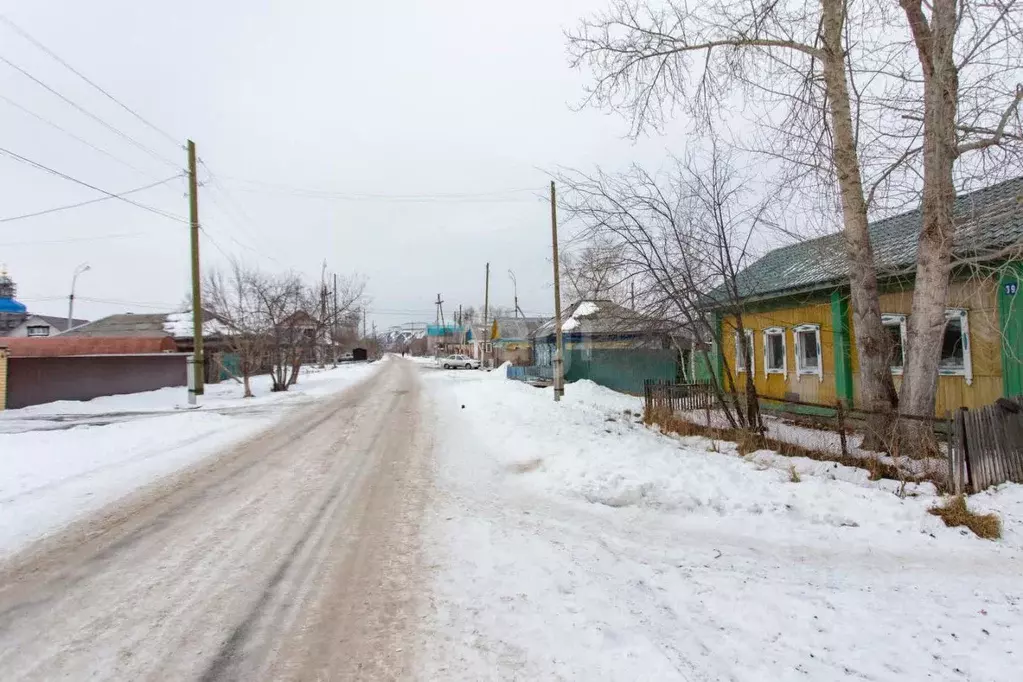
<point x="495" y="196"/>
<point x="213" y="182"/>
<point x="75" y="137"/>
<point x="90" y="201"/>
<point x="88" y="113"/>
<point x="35" y="164"/>
<point x="141" y="304"/>
<point x="215" y="243"/>
<point x="24" y="34"/>
<point x="101" y="237"/>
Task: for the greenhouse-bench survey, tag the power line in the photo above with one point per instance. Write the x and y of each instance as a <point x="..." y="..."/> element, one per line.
<point x="88" y="113"/>
<point x="495" y="196"/>
<point x="24" y="34"/>
<point x="141" y="304"/>
<point x="72" y="135"/>
<point x="101" y="237"/>
<point x="213" y="183"/>
<point x="86" y="203"/>
<point x="34" y="164"/>
<point x="215" y="243"/>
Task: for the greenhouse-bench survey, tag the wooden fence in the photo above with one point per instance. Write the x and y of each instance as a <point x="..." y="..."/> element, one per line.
<point x="987" y="446"/>
<point x="531" y="373"/>
<point x="677" y="397"/>
<point x="836" y="417"/>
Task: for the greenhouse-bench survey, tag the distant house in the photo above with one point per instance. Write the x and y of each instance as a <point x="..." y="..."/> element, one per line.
<point x="796" y="311"/>
<point x="43" y="325"/>
<point x="12" y="311"/>
<point x="17" y="322"/>
<point x="446" y="339"/>
<point x="176" y="326"/>
<point x="512" y="339"/>
<point x="613" y="346"/>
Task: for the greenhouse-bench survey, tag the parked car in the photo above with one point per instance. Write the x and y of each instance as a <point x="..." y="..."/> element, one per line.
<point x="458" y="362"/>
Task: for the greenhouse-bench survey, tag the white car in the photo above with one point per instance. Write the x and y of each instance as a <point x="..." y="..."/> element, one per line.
<point x="458" y="362"/>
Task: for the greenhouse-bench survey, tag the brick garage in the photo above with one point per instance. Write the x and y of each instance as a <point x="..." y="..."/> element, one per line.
<point x="47" y="369"/>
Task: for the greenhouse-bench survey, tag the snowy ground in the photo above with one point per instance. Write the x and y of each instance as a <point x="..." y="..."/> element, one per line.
<point x="570" y="542"/>
<point x="64" y="459"/>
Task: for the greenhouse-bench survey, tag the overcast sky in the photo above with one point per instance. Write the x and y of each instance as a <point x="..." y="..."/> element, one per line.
<point x="407" y="141"/>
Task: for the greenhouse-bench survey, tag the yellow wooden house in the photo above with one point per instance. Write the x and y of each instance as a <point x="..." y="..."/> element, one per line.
<point x="795" y="309"/>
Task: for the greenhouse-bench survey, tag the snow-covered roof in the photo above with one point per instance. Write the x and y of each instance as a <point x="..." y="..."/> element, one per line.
<point x="179" y="325"/>
<point x="602" y="317"/>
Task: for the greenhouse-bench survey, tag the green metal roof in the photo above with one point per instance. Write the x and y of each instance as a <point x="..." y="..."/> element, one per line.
<point x="989" y="223"/>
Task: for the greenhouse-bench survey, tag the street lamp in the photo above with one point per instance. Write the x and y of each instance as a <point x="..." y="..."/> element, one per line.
<point x="515" y="286"/>
<point x="71" y="299"/>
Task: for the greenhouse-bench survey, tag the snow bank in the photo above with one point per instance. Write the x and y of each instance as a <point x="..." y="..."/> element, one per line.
<point x="570" y="542"/>
<point x="54" y="468"/>
<point x="592" y="446"/>
<point x="312" y="382"/>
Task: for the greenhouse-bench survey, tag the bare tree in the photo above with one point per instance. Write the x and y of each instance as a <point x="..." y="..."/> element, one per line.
<point x="231" y="298"/>
<point x="984" y="41"/>
<point x="277" y="320"/>
<point x="649" y="58"/>
<point x="679" y="235"/>
<point x="593" y="272"/>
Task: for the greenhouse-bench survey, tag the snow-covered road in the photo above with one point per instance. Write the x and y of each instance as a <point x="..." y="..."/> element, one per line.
<point x="440" y="525"/>
<point x="61" y="460"/>
<point x="570" y="542"/>
<point x="290" y="556"/>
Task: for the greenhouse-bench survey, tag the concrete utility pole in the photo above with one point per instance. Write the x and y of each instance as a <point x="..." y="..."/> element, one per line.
<point x="559" y="360"/>
<point x="193" y="213"/>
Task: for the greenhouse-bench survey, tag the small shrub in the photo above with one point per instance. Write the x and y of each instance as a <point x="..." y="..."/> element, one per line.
<point x="955" y="513"/>
<point x="749" y="442"/>
<point x="794" y="475"/>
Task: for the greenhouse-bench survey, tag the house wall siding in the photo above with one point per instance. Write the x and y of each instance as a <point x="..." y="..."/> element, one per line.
<point x="977" y="296"/>
<point x="3" y="379"/>
<point x="807" y="388"/>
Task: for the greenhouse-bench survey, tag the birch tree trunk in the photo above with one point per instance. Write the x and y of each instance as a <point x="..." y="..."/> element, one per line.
<point x="926" y="327"/>
<point x="877" y="390"/>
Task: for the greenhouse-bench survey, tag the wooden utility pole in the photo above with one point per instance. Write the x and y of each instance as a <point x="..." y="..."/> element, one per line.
<point x="193" y="213"/>
<point x="559" y="360"/>
<point x="363" y="323"/>
<point x="335" y="325"/>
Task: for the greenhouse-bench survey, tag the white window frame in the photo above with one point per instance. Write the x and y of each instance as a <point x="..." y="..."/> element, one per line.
<point x="752" y="352"/>
<point x="803" y="371"/>
<point x="891" y="319"/>
<point x="776" y="331"/>
<point x="29" y="330"/>
<point x="967" y="370"/>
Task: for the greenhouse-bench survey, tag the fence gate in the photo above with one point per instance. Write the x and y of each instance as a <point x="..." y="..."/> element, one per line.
<point x="986" y="447"/>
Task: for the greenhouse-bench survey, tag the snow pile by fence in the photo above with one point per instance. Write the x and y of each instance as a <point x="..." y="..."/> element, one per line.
<point x="590" y="448"/>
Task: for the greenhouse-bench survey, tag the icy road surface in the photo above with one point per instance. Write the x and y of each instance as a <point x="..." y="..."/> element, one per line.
<point x="290" y="556"/>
